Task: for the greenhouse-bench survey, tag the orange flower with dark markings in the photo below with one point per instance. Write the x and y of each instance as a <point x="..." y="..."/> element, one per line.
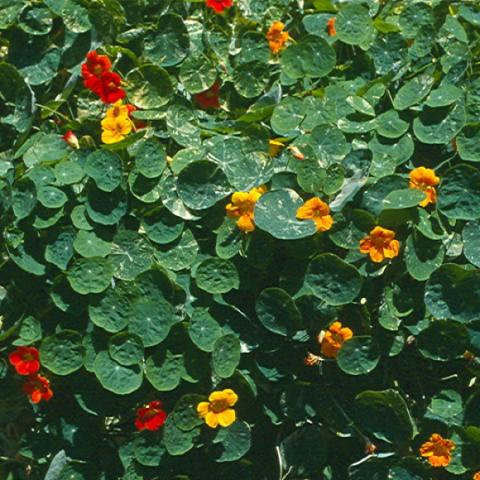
<point x="25" y="360"/>
<point x="424" y="179"/>
<point x="150" y="417"/>
<point x="219" y="6"/>
<point x="380" y="244"/>
<point x="437" y="450"/>
<point x="332" y="340"/>
<point x="242" y="207"/>
<point x="331" y="26"/>
<point x="37" y="387"/>
<point x="476" y="476"/>
<point x="318" y="211"/>
<point x="277" y="37"/>
<point x="209" y="98"/>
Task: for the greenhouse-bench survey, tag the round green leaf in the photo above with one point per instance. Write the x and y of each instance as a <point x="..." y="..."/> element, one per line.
<point x="164" y="371"/>
<point x="150" y="158"/>
<point x="459" y="193"/>
<point x="177" y="441"/>
<point x="354" y="25"/>
<point x="88" y="244"/>
<point x="68" y="172"/>
<point x="105" y="168"/>
<point x="332" y="280"/>
<point x="35" y="20"/>
<point x="233" y="442"/>
<point x="62" y="353"/>
<point x="216" y="275"/>
<point x="405" y="198"/>
<point x="90" y="275"/>
<point x="446" y="407"/>
<point x="126" y="349"/>
<point x="226" y="356"/>
<point x="329" y="144"/>
<point x="423" y="256"/>
<point x="468" y="143"/>
<point x="204" y="330"/>
<point x="180" y="254"/>
<point x="413" y="92"/>
<point x="287" y="116"/>
<point x="106" y="208"/>
<point x="185" y="413"/>
<point x="24" y="198"/>
<point x="60" y="251"/>
<point x="471" y="242"/>
<point x="116" y="378"/>
<point x="51" y="197"/>
<point x="162" y="227"/>
<point x="443" y="96"/>
<point x="358" y="356"/>
<point x="275" y="212"/>
<point x="147" y="449"/>
<point x="197" y="73"/>
<point x="277" y="311"/>
<point x="390" y="125"/>
<point x="250" y="79"/>
<point x="150" y="87"/>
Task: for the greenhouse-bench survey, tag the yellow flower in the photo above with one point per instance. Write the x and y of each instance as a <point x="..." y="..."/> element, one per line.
<point x="437" y="450"/>
<point x="425" y="179"/>
<point x="242" y="207"/>
<point x="380" y="244"/>
<point x="318" y="211"/>
<point x="115" y="129"/>
<point x="332" y="340"/>
<point x="217" y="410"/>
<point x="275" y="146"/>
<point x="118" y="109"/>
<point x="277" y="37"/>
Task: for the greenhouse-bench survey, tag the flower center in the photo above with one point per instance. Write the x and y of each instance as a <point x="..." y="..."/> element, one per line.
<point x="218" y="406"/>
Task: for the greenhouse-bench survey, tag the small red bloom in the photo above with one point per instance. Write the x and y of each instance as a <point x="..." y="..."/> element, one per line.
<point x="219" y="6"/>
<point x="150" y="417"/>
<point x="71" y="139"/>
<point x="37" y="387"/>
<point x="25" y="360"/>
<point x="332" y="31"/>
<point x="110" y="90"/>
<point x="209" y="98"/>
<point x="93" y="70"/>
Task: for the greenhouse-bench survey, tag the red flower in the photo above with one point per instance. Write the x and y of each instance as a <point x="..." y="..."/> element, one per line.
<point x="37" y="387"/>
<point x="209" y="98"/>
<point x="93" y="70"/>
<point x="71" y="139"/>
<point x="151" y="416"/>
<point x="25" y="360"/>
<point x="138" y="123"/>
<point x="219" y="5"/>
<point x="110" y="90"/>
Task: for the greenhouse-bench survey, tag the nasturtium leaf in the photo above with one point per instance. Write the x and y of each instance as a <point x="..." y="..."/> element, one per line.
<point x="354" y="25"/>
<point x="68" y="172"/>
<point x="311" y="57"/>
<point x="162" y="227"/>
<point x="180" y="254"/>
<point x="36" y="20"/>
<point x="405" y="198"/>
<point x="275" y="212"/>
<point x="459" y="193"/>
<point x="201" y="185"/>
<point x="44" y="68"/>
<point x="471" y="242"/>
<point x="233" y="442"/>
<point x="148" y="190"/>
<point x="415" y="16"/>
<point x="106" y="208"/>
<point x="226" y="355"/>
<point x="443" y="340"/>
<point x="182" y="125"/>
<point x="423" y="256"/>
<point x="150" y="87"/>
<point x="390" y="125"/>
<point x="154" y="284"/>
<point x="117" y="378"/>
<point x="168" y="43"/>
<point x="62" y="353"/>
<point x="150" y="158"/>
<point x="60" y="250"/>
<point x="112" y="310"/>
<point x="51" y="197"/>
<point x="80" y="219"/>
<point x="277" y="311"/>
<point x="446" y="407"/>
<point x="373" y="195"/>
<point x="74" y="16"/>
<point x="388" y="154"/>
<point x="329" y="144"/>
<point x="250" y="79"/>
<point x="24" y="198"/>
<point x="126" y="348"/>
<point x="177" y="441"/>
<point x="151" y="321"/>
<point x="287" y="116"/>
<point x="361" y="105"/>
<point x="204" y="330"/>
<point x="413" y="92"/>
<point x="164" y="370"/>
<point x="148" y="450"/>
<point x="30" y="331"/>
<point x="439" y="125"/>
<point x="89" y="244"/>
<point x="453" y="292"/>
<point x="105" y="168"/>
<point x="197" y="73"/>
<point x="229" y="239"/>
<point x="332" y="280"/>
<point x="468" y="144"/>
<point x="347" y="231"/>
<point x="185" y="413"/>
<point x="443" y="96"/>
<point x="90" y="275"/>
<point x="47" y="148"/>
<point x="359" y="355"/>
<point x="216" y="275"/>
<point x="131" y="255"/>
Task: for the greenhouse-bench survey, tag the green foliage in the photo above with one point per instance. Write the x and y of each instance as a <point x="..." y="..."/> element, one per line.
<point x="120" y="265"/>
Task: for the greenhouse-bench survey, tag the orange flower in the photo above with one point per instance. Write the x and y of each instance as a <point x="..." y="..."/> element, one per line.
<point x="37" y="387"/>
<point x="218" y="411"/>
<point x="380" y="244"/>
<point x="476" y="476"/>
<point x="425" y="179"/>
<point x="318" y="211"/>
<point x="332" y="340"/>
<point x="437" y="450"/>
<point x="277" y="37"/>
<point x="331" y="26"/>
<point x="242" y="206"/>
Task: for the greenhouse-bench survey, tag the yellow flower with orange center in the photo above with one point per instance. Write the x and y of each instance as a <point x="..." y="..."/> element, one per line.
<point x="115" y="129"/>
<point x="218" y="411"/>
<point x="437" y="450"/>
<point x="277" y="37"/>
<point x="380" y="244"/>
<point x="118" y="109"/>
<point x="424" y="179"/>
<point x="332" y="340"/>
<point x="318" y="211"/>
<point x="242" y="206"/>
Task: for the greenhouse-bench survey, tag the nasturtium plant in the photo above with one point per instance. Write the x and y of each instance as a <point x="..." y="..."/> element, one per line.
<point x="239" y="240"/>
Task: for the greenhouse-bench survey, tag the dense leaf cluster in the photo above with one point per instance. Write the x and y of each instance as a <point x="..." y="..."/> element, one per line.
<point x="119" y="264"/>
